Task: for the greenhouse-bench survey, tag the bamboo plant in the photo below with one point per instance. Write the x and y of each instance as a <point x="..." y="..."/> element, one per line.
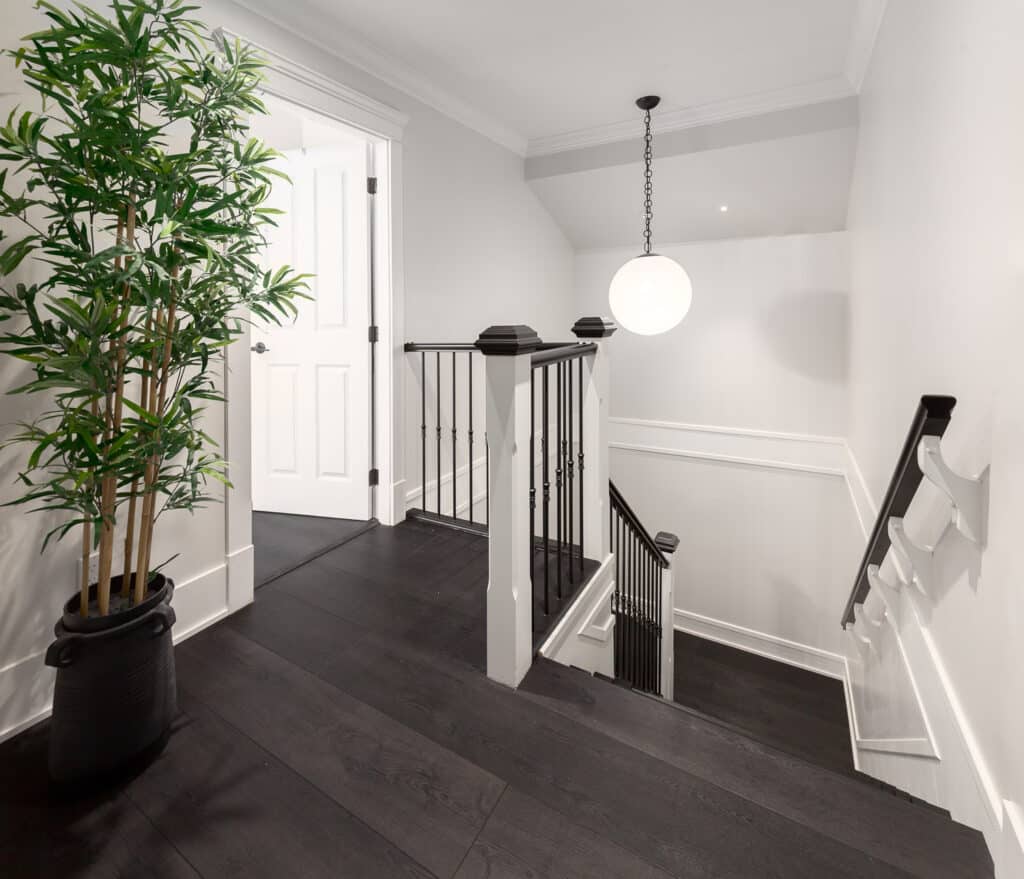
<point x="139" y="192"/>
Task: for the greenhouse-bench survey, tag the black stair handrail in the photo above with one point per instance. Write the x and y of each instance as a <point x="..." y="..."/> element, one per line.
<point x="931" y="419"/>
<point x="620" y="505"/>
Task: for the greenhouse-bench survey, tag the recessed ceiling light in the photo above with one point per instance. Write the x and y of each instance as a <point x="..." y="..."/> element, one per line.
<point x="724" y="208"/>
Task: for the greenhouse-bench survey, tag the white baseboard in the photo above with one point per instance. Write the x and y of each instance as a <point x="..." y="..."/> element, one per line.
<point x="804" y="656"/>
<point x="26" y="686"/>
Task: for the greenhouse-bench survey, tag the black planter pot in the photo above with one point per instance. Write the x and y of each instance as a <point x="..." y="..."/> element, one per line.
<point x="115" y="695"/>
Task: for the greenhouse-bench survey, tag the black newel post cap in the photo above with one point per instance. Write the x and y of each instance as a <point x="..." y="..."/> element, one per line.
<point x="594" y="328"/>
<point x="666" y="542"/>
<point x="508" y="340"/>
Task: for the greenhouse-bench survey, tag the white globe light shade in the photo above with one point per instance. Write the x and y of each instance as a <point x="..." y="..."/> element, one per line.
<point x="650" y="294"/>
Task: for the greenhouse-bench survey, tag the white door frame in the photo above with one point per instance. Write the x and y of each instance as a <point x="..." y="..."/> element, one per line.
<point x="303" y="87"/>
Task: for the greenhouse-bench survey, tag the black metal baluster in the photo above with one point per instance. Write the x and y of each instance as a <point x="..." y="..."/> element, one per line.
<point x="533" y="500"/>
<point x="470" y="435"/>
<point x="423" y="428"/>
<point x="545" y="420"/>
<point x="650" y="619"/>
<point x="580" y="460"/>
<point x="559" y="451"/>
<point x="438" y="383"/>
<point x="455" y="494"/>
<point x="569" y="469"/>
<point x="661" y="630"/>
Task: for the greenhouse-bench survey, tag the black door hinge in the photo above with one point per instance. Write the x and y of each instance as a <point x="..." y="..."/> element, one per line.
<point x="374" y="335"/>
<point x="374" y="476"/>
<point x="371" y="185"/>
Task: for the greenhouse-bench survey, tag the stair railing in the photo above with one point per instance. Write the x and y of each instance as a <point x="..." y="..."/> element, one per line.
<point x="450" y="492"/>
<point x="643" y="599"/>
<point x="930" y="420"/>
<point x="537" y="541"/>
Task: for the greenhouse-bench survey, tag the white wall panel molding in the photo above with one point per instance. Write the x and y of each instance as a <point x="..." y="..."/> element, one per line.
<point x="823" y="662"/>
<point x="740" y="446"/>
<point x="26" y="685"/>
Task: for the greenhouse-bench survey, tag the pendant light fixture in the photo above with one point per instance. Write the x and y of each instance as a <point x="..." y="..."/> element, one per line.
<point x="651" y="293"/>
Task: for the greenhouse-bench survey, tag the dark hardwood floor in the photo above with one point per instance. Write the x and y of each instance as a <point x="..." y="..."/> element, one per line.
<point x="283" y="542"/>
<point x="342" y="727"/>
<point x="779" y="704"/>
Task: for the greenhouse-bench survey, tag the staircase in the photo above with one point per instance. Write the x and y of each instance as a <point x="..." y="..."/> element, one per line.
<point x="579" y="619"/>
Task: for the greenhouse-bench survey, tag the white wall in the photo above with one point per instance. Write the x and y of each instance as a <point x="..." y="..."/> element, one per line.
<point x="726" y="432"/>
<point x="479" y="249"/>
<point x="937" y="257"/>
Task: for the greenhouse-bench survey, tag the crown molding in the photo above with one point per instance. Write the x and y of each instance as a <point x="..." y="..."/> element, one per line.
<point x="867" y="21"/>
<point x="692" y="117"/>
<point x="364" y="110"/>
<point x="394" y="73"/>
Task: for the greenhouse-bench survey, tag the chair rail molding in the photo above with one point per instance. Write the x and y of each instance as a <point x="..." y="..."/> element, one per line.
<point x="747" y="447"/>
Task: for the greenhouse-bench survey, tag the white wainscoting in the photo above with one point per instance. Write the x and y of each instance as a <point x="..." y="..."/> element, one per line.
<point x="958" y="777"/>
<point x="792" y="458"/>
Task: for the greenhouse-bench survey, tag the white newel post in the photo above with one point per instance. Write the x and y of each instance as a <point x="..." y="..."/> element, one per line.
<point x="596" y="382"/>
<point x="668" y="543"/>
<point x="509" y="594"/>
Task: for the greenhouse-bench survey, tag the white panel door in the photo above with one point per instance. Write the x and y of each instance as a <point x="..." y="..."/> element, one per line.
<point x="311" y="400"/>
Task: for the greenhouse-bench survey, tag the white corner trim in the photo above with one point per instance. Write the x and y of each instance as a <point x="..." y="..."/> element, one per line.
<point x="867" y="22"/>
<point x="664" y="121"/>
<point x="397" y="75"/>
<point x="359" y="109"/>
<point x="740" y="446"/>
<point x="864" y="507"/>
<point x="581" y="618"/>
<point x="804" y="656"/>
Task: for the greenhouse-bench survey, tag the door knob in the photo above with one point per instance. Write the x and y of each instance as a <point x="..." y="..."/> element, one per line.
<point x="259" y="348"/>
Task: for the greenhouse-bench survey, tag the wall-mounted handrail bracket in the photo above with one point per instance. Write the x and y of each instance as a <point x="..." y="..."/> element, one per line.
<point x="861" y="638"/>
<point x="919" y="559"/>
<point x="889" y="594"/>
<point x="967" y="495"/>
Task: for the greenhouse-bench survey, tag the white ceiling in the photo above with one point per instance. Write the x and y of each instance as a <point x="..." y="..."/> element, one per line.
<point x="540" y="68"/>
<point x="775" y="187"/>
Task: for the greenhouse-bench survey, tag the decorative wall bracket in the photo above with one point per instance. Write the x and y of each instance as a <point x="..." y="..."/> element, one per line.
<point x="968" y="496"/>
<point x="889" y="594"/>
<point x="861" y="643"/>
<point x="920" y="559"/>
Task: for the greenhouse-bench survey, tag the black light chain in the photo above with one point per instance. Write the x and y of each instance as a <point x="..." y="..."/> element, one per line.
<point x="648" y="187"/>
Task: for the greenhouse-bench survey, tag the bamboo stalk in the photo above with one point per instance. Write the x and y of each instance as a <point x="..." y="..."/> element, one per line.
<point x="129" y="539"/>
<point x="149" y="477"/>
<point x="111" y="425"/>
<point x="150" y="517"/>
<point x="83" y="600"/>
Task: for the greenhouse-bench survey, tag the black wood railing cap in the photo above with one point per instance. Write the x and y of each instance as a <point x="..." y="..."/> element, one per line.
<point x="594" y="328"/>
<point x="938" y="405"/>
<point x="508" y="340"/>
<point x="666" y="541"/>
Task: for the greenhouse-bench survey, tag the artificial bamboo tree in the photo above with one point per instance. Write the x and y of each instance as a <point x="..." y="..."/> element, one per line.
<point x="140" y="192"/>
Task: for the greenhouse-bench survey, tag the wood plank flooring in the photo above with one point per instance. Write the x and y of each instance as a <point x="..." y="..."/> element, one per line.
<point x="788" y="707"/>
<point x="283" y="542"/>
<point x="341" y="727"/>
